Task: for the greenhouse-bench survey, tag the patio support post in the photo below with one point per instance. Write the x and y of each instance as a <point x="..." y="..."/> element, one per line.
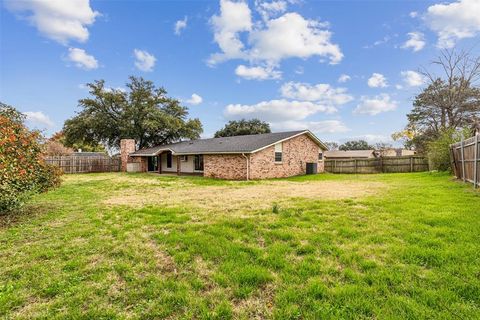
<point x="178" y="165"/>
<point x="159" y="162"/>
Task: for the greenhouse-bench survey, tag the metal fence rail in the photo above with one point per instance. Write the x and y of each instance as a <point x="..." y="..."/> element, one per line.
<point x="378" y="165"/>
<point x="465" y="157"/>
<point x="83" y="164"/>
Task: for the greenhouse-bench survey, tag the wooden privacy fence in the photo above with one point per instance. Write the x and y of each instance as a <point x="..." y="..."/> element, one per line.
<point x="378" y="165"/>
<point x="84" y="164"/>
<point x="465" y="156"/>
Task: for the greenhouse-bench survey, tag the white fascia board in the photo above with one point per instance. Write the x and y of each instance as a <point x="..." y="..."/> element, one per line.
<point x="151" y="154"/>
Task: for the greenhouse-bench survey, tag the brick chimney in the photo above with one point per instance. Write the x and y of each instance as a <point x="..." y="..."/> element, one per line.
<point x="127" y="146"/>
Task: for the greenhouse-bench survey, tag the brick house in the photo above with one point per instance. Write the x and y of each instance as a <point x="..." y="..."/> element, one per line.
<point x="270" y="155"/>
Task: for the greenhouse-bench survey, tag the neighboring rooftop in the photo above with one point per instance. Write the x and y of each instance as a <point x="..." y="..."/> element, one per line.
<point x="349" y="154"/>
<point x="237" y="144"/>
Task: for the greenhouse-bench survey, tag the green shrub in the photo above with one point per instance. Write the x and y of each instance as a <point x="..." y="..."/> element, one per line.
<point x="438" y="150"/>
<point x="23" y="171"/>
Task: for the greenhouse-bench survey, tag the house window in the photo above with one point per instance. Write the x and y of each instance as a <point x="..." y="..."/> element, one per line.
<point x="184" y="158"/>
<point x="198" y="162"/>
<point x="278" y="152"/>
<point x="169" y="160"/>
<point x="320" y="156"/>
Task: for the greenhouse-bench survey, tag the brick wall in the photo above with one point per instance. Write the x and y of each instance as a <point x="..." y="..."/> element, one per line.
<point x="233" y="167"/>
<point x="127" y="146"/>
<point x="142" y="160"/>
<point x="295" y="154"/>
<point x="321" y="166"/>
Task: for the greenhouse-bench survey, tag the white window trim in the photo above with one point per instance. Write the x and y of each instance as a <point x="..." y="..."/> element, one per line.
<point x="278" y="148"/>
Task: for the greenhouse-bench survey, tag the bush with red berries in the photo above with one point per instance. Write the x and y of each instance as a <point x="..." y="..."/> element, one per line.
<point x="23" y="172"/>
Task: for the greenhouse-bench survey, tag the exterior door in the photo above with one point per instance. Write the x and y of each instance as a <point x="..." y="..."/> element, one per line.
<point x="198" y="162"/>
<point x="152" y="163"/>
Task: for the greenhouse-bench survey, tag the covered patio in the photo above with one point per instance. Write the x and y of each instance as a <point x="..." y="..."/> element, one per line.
<point x="164" y="162"/>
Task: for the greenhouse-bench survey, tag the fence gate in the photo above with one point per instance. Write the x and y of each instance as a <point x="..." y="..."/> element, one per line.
<point x="465" y="157"/>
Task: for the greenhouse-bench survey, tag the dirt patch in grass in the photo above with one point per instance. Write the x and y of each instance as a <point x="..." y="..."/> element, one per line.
<point x="257" y="306"/>
<point x="233" y="197"/>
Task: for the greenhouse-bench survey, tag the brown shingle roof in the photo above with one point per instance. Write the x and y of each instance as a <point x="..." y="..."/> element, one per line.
<point x="237" y="144"/>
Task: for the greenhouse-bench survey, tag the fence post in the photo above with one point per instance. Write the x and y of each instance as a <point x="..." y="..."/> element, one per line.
<point x="452" y="160"/>
<point x="475" y="164"/>
<point x="355" y="166"/>
<point x="463" y="159"/>
<point x="411" y="164"/>
<point x="381" y="164"/>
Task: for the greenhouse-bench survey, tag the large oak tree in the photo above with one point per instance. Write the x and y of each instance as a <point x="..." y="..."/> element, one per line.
<point x="355" y="145"/>
<point x="449" y="102"/>
<point x="243" y="127"/>
<point x="143" y="112"/>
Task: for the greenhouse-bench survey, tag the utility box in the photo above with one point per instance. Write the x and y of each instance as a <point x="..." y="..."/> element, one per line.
<point x="311" y="168"/>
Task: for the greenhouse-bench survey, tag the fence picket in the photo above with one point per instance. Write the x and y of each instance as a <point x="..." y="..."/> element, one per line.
<point x="466" y="160"/>
<point x="475" y="164"/>
<point x="376" y="165"/>
<point x="82" y="164"/>
<point x="463" y="158"/>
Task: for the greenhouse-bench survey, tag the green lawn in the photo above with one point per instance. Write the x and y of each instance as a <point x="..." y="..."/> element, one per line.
<point x="128" y="246"/>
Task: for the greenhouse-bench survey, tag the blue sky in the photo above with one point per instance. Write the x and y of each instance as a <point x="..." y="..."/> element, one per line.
<point x="344" y="69"/>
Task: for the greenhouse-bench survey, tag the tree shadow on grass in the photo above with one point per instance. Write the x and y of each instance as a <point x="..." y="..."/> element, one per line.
<point x="24" y="214"/>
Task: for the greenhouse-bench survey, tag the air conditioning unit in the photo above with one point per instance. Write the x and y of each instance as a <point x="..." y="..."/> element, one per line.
<point x="311" y="168"/>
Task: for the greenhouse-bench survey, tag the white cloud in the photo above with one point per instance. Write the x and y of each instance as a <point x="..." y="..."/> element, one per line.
<point x="375" y="105"/>
<point x="38" y="118"/>
<point x="276" y="110"/>
<point x="325" y="126"/>
<point x="413" y="14"/>
<point x="112" y="89"/>
<point x="270" y="9"/>
<point x="290" y="36"/>
<point x="344" y="78"/>
<point x="377" y="80"/>
<point x="180" y="25"/>
<point x="321" y="93"/>
<point x="195" y="99"/>
<point x="416" y="41"/>
<point x="257" y="73"/>
<point x="412" y="78"/>
<point x="234" y="17"/>
<point x="299" y="70"/>
<point x="82" y="59"/>
<point x="144" y="61"/>
<point x="271" y="40"/>
<point x="58" y="20"/>
<point x="454" y="21"/>
<point x="372" y="138"/>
